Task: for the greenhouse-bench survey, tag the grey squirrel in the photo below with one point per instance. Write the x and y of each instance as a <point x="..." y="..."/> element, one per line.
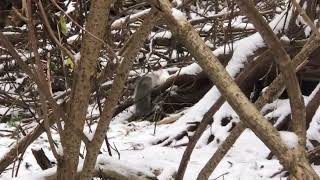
<point x="142" y="96"/>
<point x="143" y="89"/>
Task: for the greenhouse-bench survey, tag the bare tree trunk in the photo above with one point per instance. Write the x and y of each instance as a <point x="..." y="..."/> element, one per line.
<point x="286" y="67"/>
<point x="249" y="74"/>
<point x="245" y="109"/>
<point x="274" y="90"/>
<point x="129" y="52"/>
<point x="85" y="72"/>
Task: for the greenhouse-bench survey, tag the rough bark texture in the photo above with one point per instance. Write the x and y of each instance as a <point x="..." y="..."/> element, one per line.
<point x="252" y="72"/>
<point x="245" y="109"/>
<point x="129" y="53"/>
<point x="286" y="67"/>
<point x="272" y="93"/>
<point x="85" y="71"/>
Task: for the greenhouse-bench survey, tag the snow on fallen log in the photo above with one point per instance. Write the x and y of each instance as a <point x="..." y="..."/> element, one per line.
<point x="242" y="49"/>
<point x="106" y="168"/>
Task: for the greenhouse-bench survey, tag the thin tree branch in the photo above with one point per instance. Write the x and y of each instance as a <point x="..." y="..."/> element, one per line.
<point x="129" y="53"/>
<point x="246" y="110"/>
<point x="274" y="90"/>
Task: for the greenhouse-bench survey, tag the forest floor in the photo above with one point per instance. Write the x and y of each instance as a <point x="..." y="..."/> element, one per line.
<point x="246" y="160"/>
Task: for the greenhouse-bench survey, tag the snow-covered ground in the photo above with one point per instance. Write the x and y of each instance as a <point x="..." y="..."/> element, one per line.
<point x="134" y="141"/>
<point x="246" y="160"/>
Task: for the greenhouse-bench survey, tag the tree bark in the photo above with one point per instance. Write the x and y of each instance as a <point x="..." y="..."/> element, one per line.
<point x="282" y="58"/>
<point x="273" y="92"/>
<point x="244" y="108"/>
<point x="129" y="53"/>
<point x="85" y="72"/>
